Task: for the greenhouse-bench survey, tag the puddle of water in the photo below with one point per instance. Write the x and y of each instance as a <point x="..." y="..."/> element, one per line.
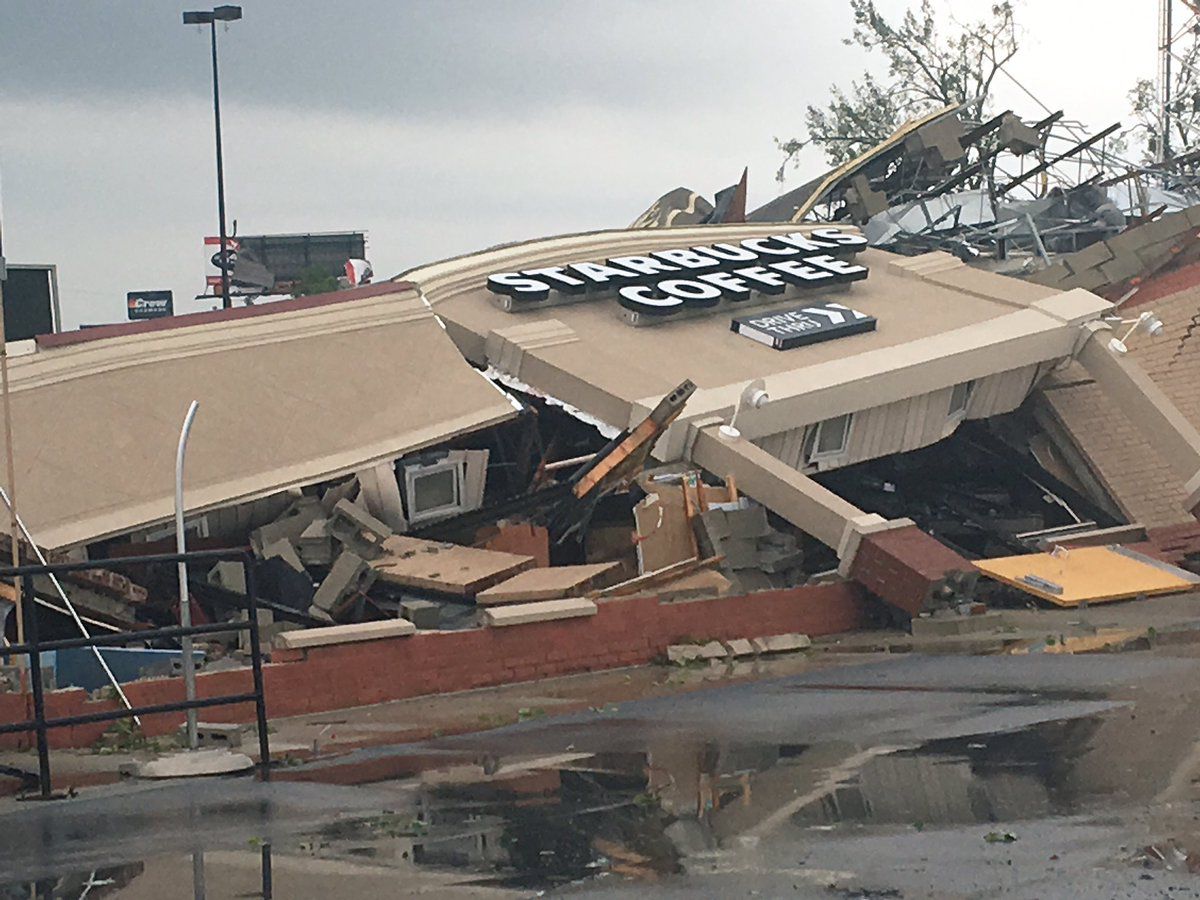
<point x="660" y="803"/>
<point x="995" y="778"/>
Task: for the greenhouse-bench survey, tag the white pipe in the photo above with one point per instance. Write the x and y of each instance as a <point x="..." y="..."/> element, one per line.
<point x="185" y="610"/>
<point x="568" y="463"/>
<point x="70" y="606"/>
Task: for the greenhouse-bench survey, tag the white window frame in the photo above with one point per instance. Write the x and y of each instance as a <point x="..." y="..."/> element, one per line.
<point x="816" y="455"/>
<point x="960" y="411"/>
<point x="415" y="472"/>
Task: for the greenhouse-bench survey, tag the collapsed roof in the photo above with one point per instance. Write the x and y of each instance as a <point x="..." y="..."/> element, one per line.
<point x="292" y="393"/>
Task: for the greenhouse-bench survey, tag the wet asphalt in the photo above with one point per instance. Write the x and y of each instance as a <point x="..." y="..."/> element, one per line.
<point x="907" y="776"/>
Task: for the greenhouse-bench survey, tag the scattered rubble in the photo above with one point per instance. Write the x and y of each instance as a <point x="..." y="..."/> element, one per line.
<point x="682" y="654"/>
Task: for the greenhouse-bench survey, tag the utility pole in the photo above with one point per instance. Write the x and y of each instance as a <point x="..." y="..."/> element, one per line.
<point x="14" y="531"/>
<point x="1164" y="79"/>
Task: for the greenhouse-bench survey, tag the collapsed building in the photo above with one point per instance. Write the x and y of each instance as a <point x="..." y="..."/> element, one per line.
<point x="776" y="418"/>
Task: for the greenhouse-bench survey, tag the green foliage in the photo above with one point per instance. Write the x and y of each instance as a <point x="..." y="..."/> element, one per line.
<point x="932" y="61"/>
<point x="1183" y="130"/>
<point x="314" y="280"/>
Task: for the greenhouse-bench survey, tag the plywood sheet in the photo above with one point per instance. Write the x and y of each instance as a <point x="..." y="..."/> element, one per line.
<point x="664" y="534"/>
<point x="445" y="568"/>
<point x="549" y="584"/>
<point x="1089" y="575"/>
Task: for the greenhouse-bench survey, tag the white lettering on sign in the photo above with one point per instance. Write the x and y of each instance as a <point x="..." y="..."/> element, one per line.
<point x="664" y="282"/>
<point x="806" y="325"/>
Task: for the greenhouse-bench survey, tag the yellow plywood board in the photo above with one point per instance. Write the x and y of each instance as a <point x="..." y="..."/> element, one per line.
<point x="1089" y="575"/>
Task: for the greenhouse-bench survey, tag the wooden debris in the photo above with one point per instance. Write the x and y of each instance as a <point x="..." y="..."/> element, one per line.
<point x="549" y="584"/>
<point x="445" y="568"/>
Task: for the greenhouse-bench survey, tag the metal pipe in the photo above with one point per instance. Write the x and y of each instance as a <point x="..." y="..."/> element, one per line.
<point x="38" y="689"/>
<point x="185" y="610"/>
<point x="130" y="637"/>
<point x="260" y="704"/>
<point x="41" y="557"/>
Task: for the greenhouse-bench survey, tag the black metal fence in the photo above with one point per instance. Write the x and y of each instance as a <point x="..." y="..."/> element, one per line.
<point x="33" y="648"/>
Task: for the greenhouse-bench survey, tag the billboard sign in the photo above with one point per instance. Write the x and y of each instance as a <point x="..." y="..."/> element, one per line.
<point x="149" y="304"/>
<point x="274" y="263"/>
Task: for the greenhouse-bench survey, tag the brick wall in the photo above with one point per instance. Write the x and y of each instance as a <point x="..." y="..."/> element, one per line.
<point x="1145" y="488"/>
<point x="903" y="566"/>
<point x="625" y="632"/>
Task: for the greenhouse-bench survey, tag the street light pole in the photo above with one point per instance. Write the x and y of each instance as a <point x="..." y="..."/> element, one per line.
<point x="211" y="18"/>
<point x="225" y="299"/>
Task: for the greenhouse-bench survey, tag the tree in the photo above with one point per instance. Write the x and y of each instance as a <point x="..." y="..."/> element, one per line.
<point x="314" y="280"/>
<point x="1184" y="110"/>
<point x="927" y="69"/>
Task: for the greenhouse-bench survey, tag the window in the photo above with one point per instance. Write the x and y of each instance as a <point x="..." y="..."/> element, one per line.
<point x="828" y="438"/>
<point x="433" y="491"/>
<point x="960" y="397"/>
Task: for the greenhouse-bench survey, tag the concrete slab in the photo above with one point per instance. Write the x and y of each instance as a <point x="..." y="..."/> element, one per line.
<point x="939" y="626"/>
<point x="195" y="763"/>
<point x="344" y="634"/>
<point x="786" y="643"/>
<point x="683" y="653"/>
<point x="545" y="611"/>
<point x="740" y="647"/>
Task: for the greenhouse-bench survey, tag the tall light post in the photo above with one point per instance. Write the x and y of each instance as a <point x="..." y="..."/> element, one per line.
<point x="211" y="18"/>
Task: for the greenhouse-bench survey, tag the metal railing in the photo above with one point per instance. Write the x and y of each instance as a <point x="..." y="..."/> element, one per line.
<point x="33" y="648"/>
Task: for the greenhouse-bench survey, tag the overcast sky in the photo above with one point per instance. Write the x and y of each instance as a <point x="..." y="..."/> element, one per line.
<point x="438" y="127"/>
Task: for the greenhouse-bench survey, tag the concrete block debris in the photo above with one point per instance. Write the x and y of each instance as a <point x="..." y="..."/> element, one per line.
<point x="228" y="575"/>
<point x="740" y="647"/>
<point x="713" y="650"/>
<point x="680" y="654"/>
<point x="422" y="613"/>
<point x="358" y="530"/>
<point x="220" y="734"/>
<point x="315" y="544"/>
<point x="781" y="643"/>
<point x="755" y="555"/>
<point x="289" y="526"/>
<point x="285" y="551"/>
<point x="350" y="576"/>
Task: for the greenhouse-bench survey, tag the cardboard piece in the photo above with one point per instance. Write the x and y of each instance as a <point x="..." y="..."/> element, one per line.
<point x="664" y="535"/>
<point x="549" y="584"/>
<point x="445" y="568"/>
<point x="522" y="538"/>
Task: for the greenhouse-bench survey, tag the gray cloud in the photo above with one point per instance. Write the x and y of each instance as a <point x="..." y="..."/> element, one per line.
<point x="439" y="127"/>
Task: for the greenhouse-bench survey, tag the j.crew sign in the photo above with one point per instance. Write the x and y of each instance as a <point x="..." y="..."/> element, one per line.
<point x="664" y="283"/>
